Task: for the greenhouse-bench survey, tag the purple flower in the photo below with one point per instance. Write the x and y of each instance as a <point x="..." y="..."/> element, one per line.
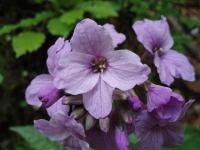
<point x="163" y="103"/>
<point x="135" y="103"/>
<point x="63" y="129"/>
<point x="117" y="38"/>
<point x="156" y="38"/>
<point x="41" y="91"/>
<point x="154" y="133"/>
<point x="95" y="69"/>
<point x="121" y="138"/>
<point x="59" y="49"/>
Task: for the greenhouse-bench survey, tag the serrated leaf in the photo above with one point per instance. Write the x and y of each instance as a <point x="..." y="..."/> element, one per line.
<point x="8" y="28"/>
<point x="58" y="28"/>
<point x="70" y="17"/>
<point x="27" y="42"/>
<point x="39" y="17"/>
<point x="100" y="9"/>
<point x="36" y="140"/>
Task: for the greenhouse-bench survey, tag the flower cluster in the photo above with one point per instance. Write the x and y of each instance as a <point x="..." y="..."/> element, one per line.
<point x="89" y="90"/>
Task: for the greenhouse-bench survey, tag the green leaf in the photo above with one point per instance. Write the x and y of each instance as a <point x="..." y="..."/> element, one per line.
<point x="8" y="28"/>
<point x="72" y="16"/>
<point x="35" y="140"/>
<point x="39" y="17"/>
<point x="100" y="9"/>
<point x="27" y="42"/>
<point x="58" y="28"/>
<point x="132" y="140"/>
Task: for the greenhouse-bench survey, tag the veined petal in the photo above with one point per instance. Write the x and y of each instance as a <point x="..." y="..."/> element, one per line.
<point x="172" y="65"/>
<point x="54" y="131"/>
<point x="154" y="34"/>
<point x="117" y="38"/>
<point x="33" y="89"/>
<point x="58" y="108"/>
<point x="98" y="101"/>
<point x="91" y="38"/>
<point x="77" y="76"/>
<point x="173" y="135"/>
<point x="125" y="70"/>
<point x="54" y="53"/>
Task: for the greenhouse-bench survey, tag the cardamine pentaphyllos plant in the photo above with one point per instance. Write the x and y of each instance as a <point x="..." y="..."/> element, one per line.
<point x="89" y="90"/>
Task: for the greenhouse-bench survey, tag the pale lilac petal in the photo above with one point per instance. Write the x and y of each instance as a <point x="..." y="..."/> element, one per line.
<point x="76" y="77"/>
<point x="98" y="101"/>
<point x="157" y="96"/>
<point x="58" y="108"/>
<point x="121" y="138"/>
<point x="125" y="70"/>
<point x="36" y="84"/>
<point x="172" y="65"/>
<point x="173" y="135"/>
<point x="91" y="38"/>
<point x="54" y="131"/>
<point x="154" y="34"/>
<point x="117" y="38"/>
<point x="55" y="52"/>
<point x="60" y="127"/>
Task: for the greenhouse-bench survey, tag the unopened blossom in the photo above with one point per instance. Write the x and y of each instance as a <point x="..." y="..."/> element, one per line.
<point x="121" y="138"/>
<point x="156" y="38"/>
<point x="135" y="103"/>
<point x="41" y="91"/>
<point x="165" y="104"/>
<point x="154" y="134"/>
<point x="94" y="69"/>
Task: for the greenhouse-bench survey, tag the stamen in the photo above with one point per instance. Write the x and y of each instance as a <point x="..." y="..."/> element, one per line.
<point x="99" y="65"/>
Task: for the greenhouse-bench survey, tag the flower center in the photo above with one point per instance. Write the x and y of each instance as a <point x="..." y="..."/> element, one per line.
<point x="99" y="64"/>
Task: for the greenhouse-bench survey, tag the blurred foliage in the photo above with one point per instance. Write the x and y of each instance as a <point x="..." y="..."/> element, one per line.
<point x="35" y="140"/>
<point x="27" y="42"/>
<point x="29" y="27"/>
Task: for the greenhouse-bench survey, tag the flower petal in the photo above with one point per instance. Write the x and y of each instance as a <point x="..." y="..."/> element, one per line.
<point x="172" y="65"/>
<point x="76" y="77"/>
<point x="125" y="70"/>
<point x="98" y="101"/>
<point x="54" y="54"/>
<point x="58" y="108"/>
<point x="173" y="135"/>
<point x="157" y="96"/>
<point x="150" y="137"/>
<point x="154" y="34"/>
<point x="54" y="131"/>
<point x="33" y="89"/>
<point x="117" y="38"/>
<point x="121" y="138"/>
<point x="91" y="38"/>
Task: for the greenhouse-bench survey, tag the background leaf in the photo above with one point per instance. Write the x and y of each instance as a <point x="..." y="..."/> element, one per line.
<point x="35" y="140"/>
<point x="58" y="28"/>
<point x="100" y="9"/>
<point x="70" y="17"/>
<point x="27" y="42"/>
